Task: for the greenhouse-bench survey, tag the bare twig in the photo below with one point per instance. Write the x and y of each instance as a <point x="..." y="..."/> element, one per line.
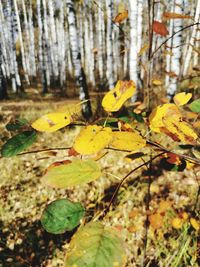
<point x="106" y="210"/>
<point x="170" y="37"/>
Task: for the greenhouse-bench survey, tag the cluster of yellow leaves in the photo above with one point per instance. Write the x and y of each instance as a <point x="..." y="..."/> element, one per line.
<point x="183" y="217"/>
<point x="94" y="138"/>
<point x="167" y="118"/>
<point x="116" y="97"/>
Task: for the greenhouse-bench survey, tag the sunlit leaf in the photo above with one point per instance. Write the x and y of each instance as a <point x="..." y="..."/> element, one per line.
<point x="157" y="82"/>
<point x="172" y="15"/>
<point x="130" y="141"/>
<point x="51" y="122"/>
<point x="61" y="215"/>
<point x="96" y="245"/>
<point x="75" y="173"/>
<point x="160" y="28"/>
<point x="156" y="116"/>
<point x="168" y="119"/>
<point x="181" y="99"/>
<point x="195" y="106"/>
<point x="121" y="16"/>
<point x="115" y="98"/>
<point x="18" y="143"/>
<point x="92" y="139"/>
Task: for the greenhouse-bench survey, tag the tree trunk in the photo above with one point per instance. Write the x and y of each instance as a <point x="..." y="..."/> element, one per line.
<point x="109" y="44"/>
<point x="176" y="51"/>
<point x="3" y="91"/>
<point x="76" y="58"/>
<point x="195" y="32"/>
<point x="133" y="42"/>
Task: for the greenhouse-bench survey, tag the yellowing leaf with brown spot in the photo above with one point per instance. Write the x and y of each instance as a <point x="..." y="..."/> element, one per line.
<point x="115" y="98"/>
<point x="157" y="82"/>
<point x="179" y="130"/>
<point x="121" y="16"/>
<point x="182" y="98"/>
<point x="92" y="139"/>
<point x="156" y="116"/>
<point x="130" y="141"/>
<point x="172" y="15"/>
<point x="51" y="122"/>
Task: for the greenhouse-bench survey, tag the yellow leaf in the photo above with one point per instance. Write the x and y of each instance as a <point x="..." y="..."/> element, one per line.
<point x="92" y="139"/>
<point x="179" y="130"/>
<point x="51" y="122"/>
<point x="177" y="223"/>
<point x="127" y="141"/>
<point x="143" y="50"/>
<point x="157" y="115"/>
<point x="195" y="224"/>
<point x="115" y="98"/>
<point x="167" y="119"/>
<point x="121" y="16"/>
<point x="182" y="98"/>
<point x="157" y="82"/>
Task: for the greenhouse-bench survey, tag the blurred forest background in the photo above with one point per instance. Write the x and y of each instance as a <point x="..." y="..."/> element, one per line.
<point x="51" y="44"/>
<point x="56" y="52"/>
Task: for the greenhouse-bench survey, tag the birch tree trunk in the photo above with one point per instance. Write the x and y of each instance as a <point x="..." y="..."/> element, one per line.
<point x="133" y="42"/>
<point x="109" y="44"/>
<point x="195" y="31"/>
<point x="169" y="52"/>
<point x="176" y="50"/>
<point x="76" y="58"/>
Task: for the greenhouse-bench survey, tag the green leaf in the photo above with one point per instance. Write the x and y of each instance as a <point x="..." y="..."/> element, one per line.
<point x="95" y="246"/>
<point x="16" y="125"/>
<point x="75" y="173"/>
<point x="137" y="117"/>
<point x="62" y="215"/>
<point x="18" y="143"/>
<point x="195" y="106"/>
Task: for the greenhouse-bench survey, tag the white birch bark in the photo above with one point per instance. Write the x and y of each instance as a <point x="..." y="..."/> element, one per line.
<point x="32" y="70"/>
<point x="24" y="60"/>
<point x="101" y="39"/>
<point x="176" y="50"/>
<point x="109" y="44"/>
<point x="169" y="51"/>
<point x="3" y="40"/>
<point x="192" y="40"/>
<point x="133" y="42"/>
<point x="76" y="58"/>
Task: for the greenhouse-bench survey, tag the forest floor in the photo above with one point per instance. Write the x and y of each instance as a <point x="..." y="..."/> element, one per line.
<point x="170" y="195"/>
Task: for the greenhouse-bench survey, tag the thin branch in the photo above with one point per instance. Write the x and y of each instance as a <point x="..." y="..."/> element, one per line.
<point x="43" y="150"/>
<point x="106" y="210"/>
<point x="197" y="161"/>
<point x="170" y="37"/>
